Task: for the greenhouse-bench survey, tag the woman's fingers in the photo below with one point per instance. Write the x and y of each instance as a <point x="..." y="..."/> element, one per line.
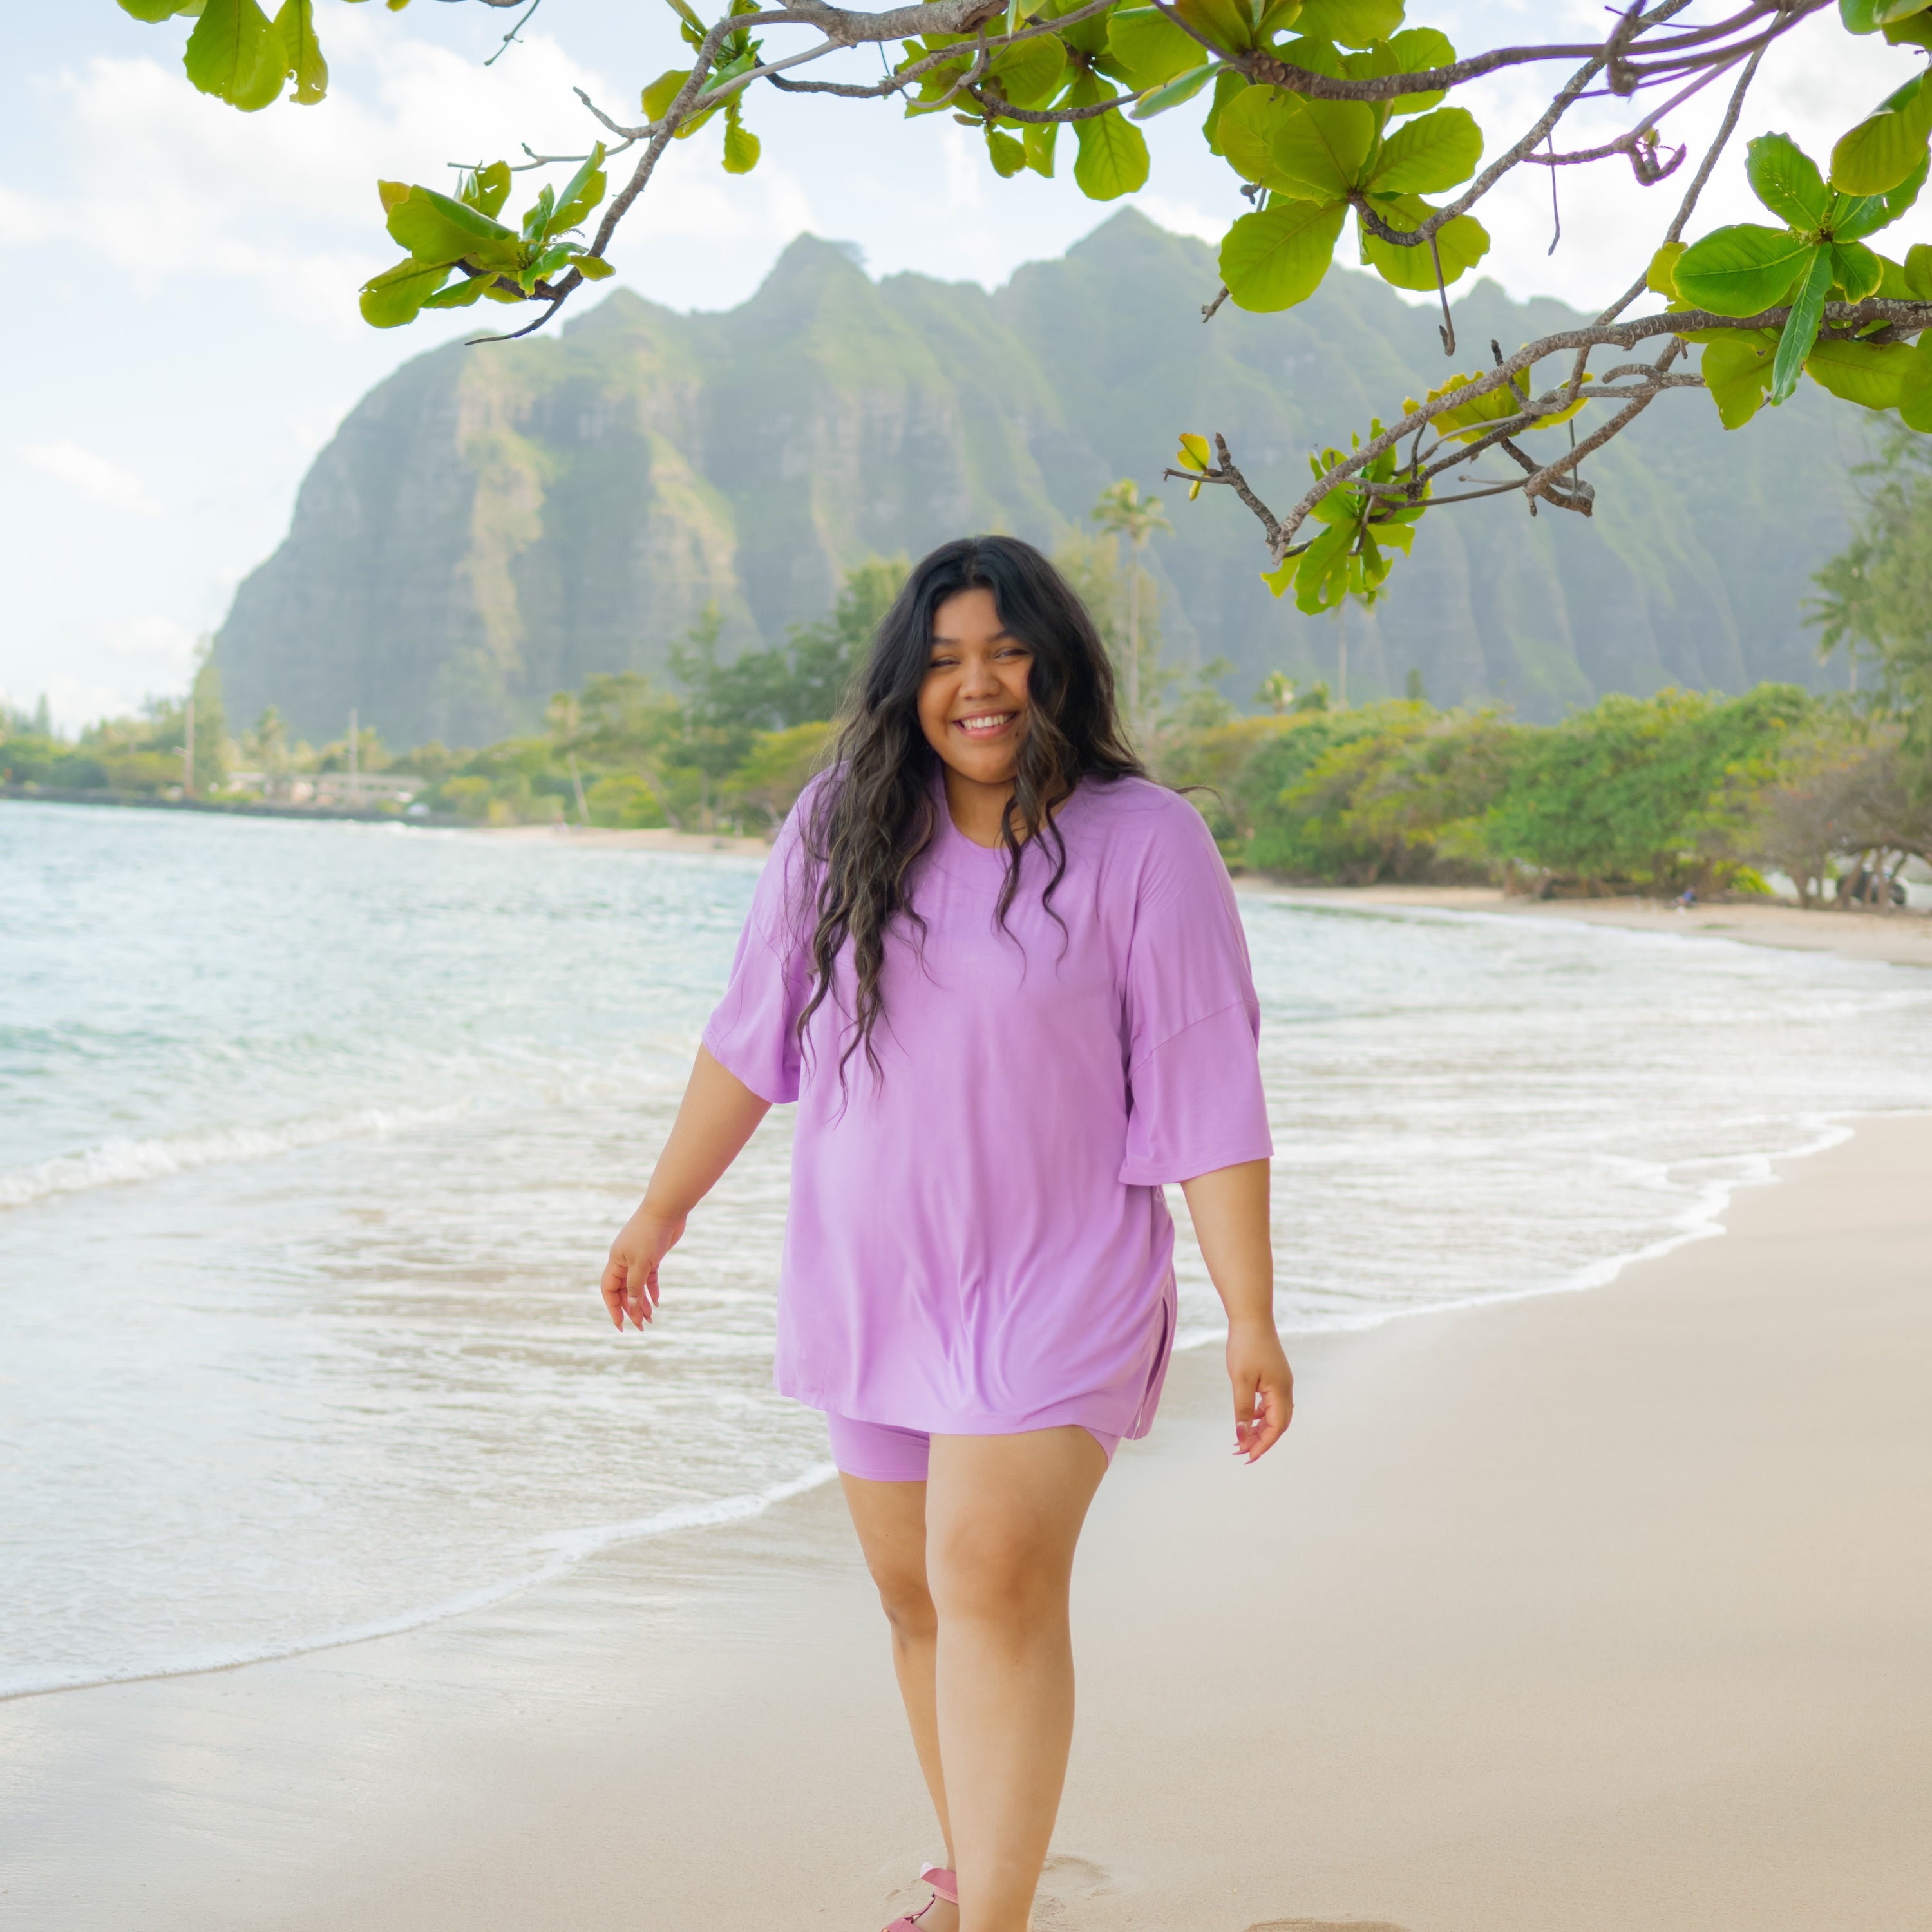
<point x="612" y="1288"/>
<point x="1275" y="1403"/>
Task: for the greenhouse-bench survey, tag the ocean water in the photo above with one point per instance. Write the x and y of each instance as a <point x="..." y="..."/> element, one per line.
<point x="312" y="1137"/>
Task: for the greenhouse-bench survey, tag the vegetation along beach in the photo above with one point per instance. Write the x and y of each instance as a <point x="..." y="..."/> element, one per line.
<point x="481" y="462"/>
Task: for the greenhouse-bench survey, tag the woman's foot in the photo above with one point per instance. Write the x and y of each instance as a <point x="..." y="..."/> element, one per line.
<point x="940" y="1912"/>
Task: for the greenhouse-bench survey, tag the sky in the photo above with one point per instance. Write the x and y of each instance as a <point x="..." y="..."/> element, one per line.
<point x="182" y="336"/>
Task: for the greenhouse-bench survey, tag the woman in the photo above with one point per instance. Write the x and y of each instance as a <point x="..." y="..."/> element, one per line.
<point x="1002" y="976"/>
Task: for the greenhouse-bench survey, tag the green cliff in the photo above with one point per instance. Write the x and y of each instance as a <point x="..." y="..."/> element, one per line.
<point x="491" y="525"/>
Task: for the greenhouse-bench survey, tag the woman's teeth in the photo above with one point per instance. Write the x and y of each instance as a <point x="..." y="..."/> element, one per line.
<point x="991" y="721"/>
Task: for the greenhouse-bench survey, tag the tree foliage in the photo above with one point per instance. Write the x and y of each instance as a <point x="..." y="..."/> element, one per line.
<point x="1331" y="115"/>
<point x="1877" y="600"/>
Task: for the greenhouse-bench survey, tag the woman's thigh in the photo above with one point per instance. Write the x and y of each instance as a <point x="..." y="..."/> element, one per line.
<point x="1003" y="1514"/>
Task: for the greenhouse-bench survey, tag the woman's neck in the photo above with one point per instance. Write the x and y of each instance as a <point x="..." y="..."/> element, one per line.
<point x="979" y="811"/>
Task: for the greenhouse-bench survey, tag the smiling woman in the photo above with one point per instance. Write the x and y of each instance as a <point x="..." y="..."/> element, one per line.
<point x="1002" y="976"/>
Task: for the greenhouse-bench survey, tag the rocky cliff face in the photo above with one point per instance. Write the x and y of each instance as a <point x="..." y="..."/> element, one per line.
<point x="489" y="526"/>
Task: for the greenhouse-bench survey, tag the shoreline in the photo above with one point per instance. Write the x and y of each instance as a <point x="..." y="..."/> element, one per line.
<point x="561" y="1552"/>
<point x="1598" y="1611"/>
<point x="1899" y="938"/>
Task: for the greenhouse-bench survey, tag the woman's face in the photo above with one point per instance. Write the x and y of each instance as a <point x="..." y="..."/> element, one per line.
<point x="972" y="705"/>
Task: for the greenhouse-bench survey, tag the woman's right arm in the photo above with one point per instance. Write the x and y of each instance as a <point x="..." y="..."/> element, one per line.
<point x="714" y="1121"/>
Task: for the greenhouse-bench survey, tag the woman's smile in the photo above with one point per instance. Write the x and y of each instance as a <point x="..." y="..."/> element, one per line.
<point x="985" y="723"/>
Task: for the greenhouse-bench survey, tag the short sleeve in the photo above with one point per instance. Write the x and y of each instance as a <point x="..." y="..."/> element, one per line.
<point x="753" y="1033"/>
<point x="1192" y="1024"/>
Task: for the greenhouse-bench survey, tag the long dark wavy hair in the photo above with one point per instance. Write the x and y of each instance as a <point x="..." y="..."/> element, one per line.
<point x="875" y="811"/>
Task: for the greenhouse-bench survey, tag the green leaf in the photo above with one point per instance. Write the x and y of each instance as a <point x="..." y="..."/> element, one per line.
<point x="741" y="148"/>
<point x="1801" y="331"/>
<point x="1743" y="269"/>
<point x="1881" y="152"/>
<point x="1350" y="23"/>
<point x="1786" y="180"/>
<point x="487" y="189"/>
<point x="1324" y="145"/>
<point x="1737" y="368"/>
<point x="1282" y="577"/>
<point x="662" y="91"/>
<point x="1321" y="582"/>
<point x="1158" y="101"/>
<point x="391" y="298"/>
<point x="1425" y="156"/>
<point x="1918" y="271"/>
<point x="1112" y="160"/>
<point x="434" y="228"/>
<point x="154" y="11"/>
<point x="1248" y="125"/>
<point x="1007" y="154"/>
<point x="1855" y="269"/>
<point x="458" y="294"/>
<point x="236" y="54"/>
<point x="1859" y="215"/>
<point x="1037" y="138"/>
<point x="585" y="189"/>
<point x="1277" y="256"/>
<point x="1226" y="24"/>
<point x="1660" y="277"/>
<point x="1030" y="75"/>
<point x="295" y="27"/>
<point x="593" y="268"/>
<point x="1461" y="244"/>
<point x="1151" y="46"/>
<point x="1867" y="16"/>
<point x="1872" y="375"/>
<point x="537" y="218"/>
<point x="1915" y="401"/>
<point x="1414" y="50"/>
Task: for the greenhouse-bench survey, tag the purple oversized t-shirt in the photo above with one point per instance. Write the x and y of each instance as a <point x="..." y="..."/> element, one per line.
<point x="977" y="1241"/>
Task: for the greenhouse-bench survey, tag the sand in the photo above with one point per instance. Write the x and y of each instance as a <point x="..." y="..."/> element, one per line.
<point x="1901" y="937"/>
<point x="1608" y="1612"/>
<point x="602" y="839"/>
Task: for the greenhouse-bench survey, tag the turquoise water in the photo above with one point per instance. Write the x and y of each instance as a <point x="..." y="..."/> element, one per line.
<point x="312" y="1137"/>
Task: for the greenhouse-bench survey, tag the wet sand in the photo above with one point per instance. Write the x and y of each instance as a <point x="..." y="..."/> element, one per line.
<point x="602" y="839"/>
<point x="1604" y="1612"/>
<point x="1901" y="937"/>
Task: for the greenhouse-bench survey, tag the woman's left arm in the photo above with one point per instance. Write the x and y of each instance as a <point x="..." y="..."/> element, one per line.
<point x="1230" y="1210"/>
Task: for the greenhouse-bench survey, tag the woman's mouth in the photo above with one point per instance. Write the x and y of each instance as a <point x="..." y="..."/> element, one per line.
<point x="985" y="724"/>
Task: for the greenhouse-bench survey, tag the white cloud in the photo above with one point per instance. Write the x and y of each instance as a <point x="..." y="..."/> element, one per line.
<point x="1183" y="217"/>
<point x="73" y="703"/>
<point x="96" y="476"/>
<point x="171" y="644"/>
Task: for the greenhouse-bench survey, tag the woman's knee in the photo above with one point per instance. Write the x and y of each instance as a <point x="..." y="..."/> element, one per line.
<point x="987" y="1568"/>
<point x="905" y="1598"/>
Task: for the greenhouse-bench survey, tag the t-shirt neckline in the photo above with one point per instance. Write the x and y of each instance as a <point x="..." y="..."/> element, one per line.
<point x="968" y="856"/>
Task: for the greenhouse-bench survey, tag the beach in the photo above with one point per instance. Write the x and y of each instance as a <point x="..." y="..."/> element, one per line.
<point x="1899" y="938"/>
<point x="1595" y="1612"/>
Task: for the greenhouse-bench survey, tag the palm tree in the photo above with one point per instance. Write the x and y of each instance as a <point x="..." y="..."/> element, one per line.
<point x="1123" y="511"/>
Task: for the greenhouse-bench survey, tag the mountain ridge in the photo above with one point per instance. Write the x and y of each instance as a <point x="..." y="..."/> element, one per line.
<point x="487" y="526"/>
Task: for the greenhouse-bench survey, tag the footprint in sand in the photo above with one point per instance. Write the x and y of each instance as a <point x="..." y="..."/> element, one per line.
<point x="1063" y="1882"/>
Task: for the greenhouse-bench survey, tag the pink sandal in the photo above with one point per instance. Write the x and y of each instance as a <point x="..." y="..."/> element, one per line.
<point x="944" y="1886"/>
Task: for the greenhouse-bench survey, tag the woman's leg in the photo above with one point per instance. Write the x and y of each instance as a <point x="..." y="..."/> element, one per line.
<point x="1003" y="1514"/>
<point x="890" y="1519"/>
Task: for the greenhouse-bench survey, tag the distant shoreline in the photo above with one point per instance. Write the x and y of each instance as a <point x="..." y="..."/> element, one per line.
<point x="604" y="839"/>
<point x="1898" y="938"/>
<point x="225" y="807"/>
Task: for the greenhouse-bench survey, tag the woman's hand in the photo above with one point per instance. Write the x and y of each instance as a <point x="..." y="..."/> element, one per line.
<point x="714" y="1121"/>
<point x="1230" y="1207"/>
<point x="1264" y="1387"/>
<point x="630" y="1285"/>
